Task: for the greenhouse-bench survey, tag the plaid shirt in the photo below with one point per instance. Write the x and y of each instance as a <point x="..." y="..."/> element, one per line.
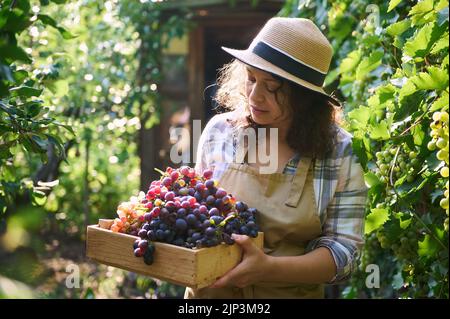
<point x="339" y="188"/>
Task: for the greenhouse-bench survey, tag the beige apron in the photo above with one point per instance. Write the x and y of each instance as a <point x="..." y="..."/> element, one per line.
<point x="287" y="216"/>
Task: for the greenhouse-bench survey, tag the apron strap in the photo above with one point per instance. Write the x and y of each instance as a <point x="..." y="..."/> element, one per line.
<point x="298" y="182"/>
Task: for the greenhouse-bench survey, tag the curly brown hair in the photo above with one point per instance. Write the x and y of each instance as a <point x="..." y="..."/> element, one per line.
<point x="315" y="117"/>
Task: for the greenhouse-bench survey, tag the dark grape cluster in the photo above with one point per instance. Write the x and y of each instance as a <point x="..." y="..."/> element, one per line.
<point x="190" y="211"/>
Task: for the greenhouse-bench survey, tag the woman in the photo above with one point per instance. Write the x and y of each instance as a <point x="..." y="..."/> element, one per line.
<point x="312" y="206"/>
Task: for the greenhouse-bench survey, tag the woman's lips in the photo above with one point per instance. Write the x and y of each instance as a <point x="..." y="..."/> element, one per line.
<point x="257" y="110"/>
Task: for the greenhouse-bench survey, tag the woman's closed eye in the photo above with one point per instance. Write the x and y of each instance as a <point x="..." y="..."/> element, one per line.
<point x="270" y="87"/>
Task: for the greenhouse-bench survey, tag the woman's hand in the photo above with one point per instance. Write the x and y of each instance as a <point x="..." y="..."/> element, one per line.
<point x="251" y="269"/>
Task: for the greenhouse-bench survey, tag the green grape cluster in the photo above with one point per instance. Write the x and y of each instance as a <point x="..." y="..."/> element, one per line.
<point x="404" y="248"/>
<point x="406" y="163"/>
<point x="439" y="143"/>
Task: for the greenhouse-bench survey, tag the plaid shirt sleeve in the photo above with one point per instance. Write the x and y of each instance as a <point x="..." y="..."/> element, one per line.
<point x="343" y="217"/>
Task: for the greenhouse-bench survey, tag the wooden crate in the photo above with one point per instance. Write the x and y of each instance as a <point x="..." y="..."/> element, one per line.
<point x="196" y="268"/>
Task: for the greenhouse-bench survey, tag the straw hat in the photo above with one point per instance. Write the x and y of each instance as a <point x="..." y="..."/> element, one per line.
<point x="292" y="48"/>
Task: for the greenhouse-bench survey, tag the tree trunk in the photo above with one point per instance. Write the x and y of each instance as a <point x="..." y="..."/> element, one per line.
<point x="148" y="146"/>
<point x="86" y="184"/>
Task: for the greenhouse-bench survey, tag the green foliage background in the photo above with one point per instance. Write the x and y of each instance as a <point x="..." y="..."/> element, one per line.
<point x="391" y="69"/>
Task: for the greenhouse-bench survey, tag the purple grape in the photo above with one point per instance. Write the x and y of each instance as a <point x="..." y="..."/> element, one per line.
<point x="240" y="206"/>
<point x="181" y="225"/>
<point x="196" y="236"/>
<point x="210" y="200"/>
<point x="167" y="181"/>
<point x="151" y="235"/>
<point x="148" y="217"/>
<point x="169" y="196"/>
<point x="142" y="233"/>
<point x="218" y="203"/>
<point x="159" y="234"/>
<point x="217" y="219"/>
<point x="181" y="213"/>
<point x="148" y="257"/>
<point x="214" y="212"/>
<point x="138" y="252"/>
<point x="253" y="233"/>
<point x="210" y="232"/>
<point x="199" y="187"/>
<point x="227" y="239"/>
<point x="191" y="219"/>
<point x="203" y="209"/>
<point x="220" y="193"/>
<point x="251" y="225"/>
<point x="243" y="230"/>
<point x="143" y="244"/>
<point x="209" y="183"/>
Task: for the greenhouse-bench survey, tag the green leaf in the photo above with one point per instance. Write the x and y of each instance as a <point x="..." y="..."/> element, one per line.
<point x="441" y="44"/>
<point x="376" y="219"/>
<point x="25" y="91"/>
<point x="13" y="53"/>
<point x="383" y="95"/>
<point x="444" y="63"/>
<point x="371" y="179"/>
<point x="428" y="247"/>
<point x="380" y="131"/>
<point x="420" y="44"/>
<point x="20" y="75"/>
<point x="51" y="22"/>
<point x="435" y="79"/>
<point x="398" y="27"/>
<point x="67" y="127"/>
<point x="422" y="12"/>
<point x="4" y="151"/>
<point x="408" y="89"/>
<point x="350" y="62"/>
<point x="32" y="108"/>
<point x="331" y="77"/>
<point x="361" y="115"/>
<point x="418" y="134"/>
<point x="18" y="19"/>
<point x="440" y="103"/>
<point x="359" y="149"/>
<point x="393" y="4"/>
<point x="369" y="64"/>
<point x="40" y="143"/>
<point x="38" y="198"/>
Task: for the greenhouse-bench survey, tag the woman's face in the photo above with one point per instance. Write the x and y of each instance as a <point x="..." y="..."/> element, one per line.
<point x="260" y="88"/>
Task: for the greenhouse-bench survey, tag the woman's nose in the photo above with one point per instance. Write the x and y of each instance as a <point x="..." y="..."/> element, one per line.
<point x="256" y="95"/>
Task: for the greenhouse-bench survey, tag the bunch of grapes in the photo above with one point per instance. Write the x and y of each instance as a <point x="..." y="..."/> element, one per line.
<point x="130" y="215"/>
<point x="406" y="164"/>
<point x="439" y="142"/>
<point x="188" y="210"/>
<point x="404" y="247"/>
